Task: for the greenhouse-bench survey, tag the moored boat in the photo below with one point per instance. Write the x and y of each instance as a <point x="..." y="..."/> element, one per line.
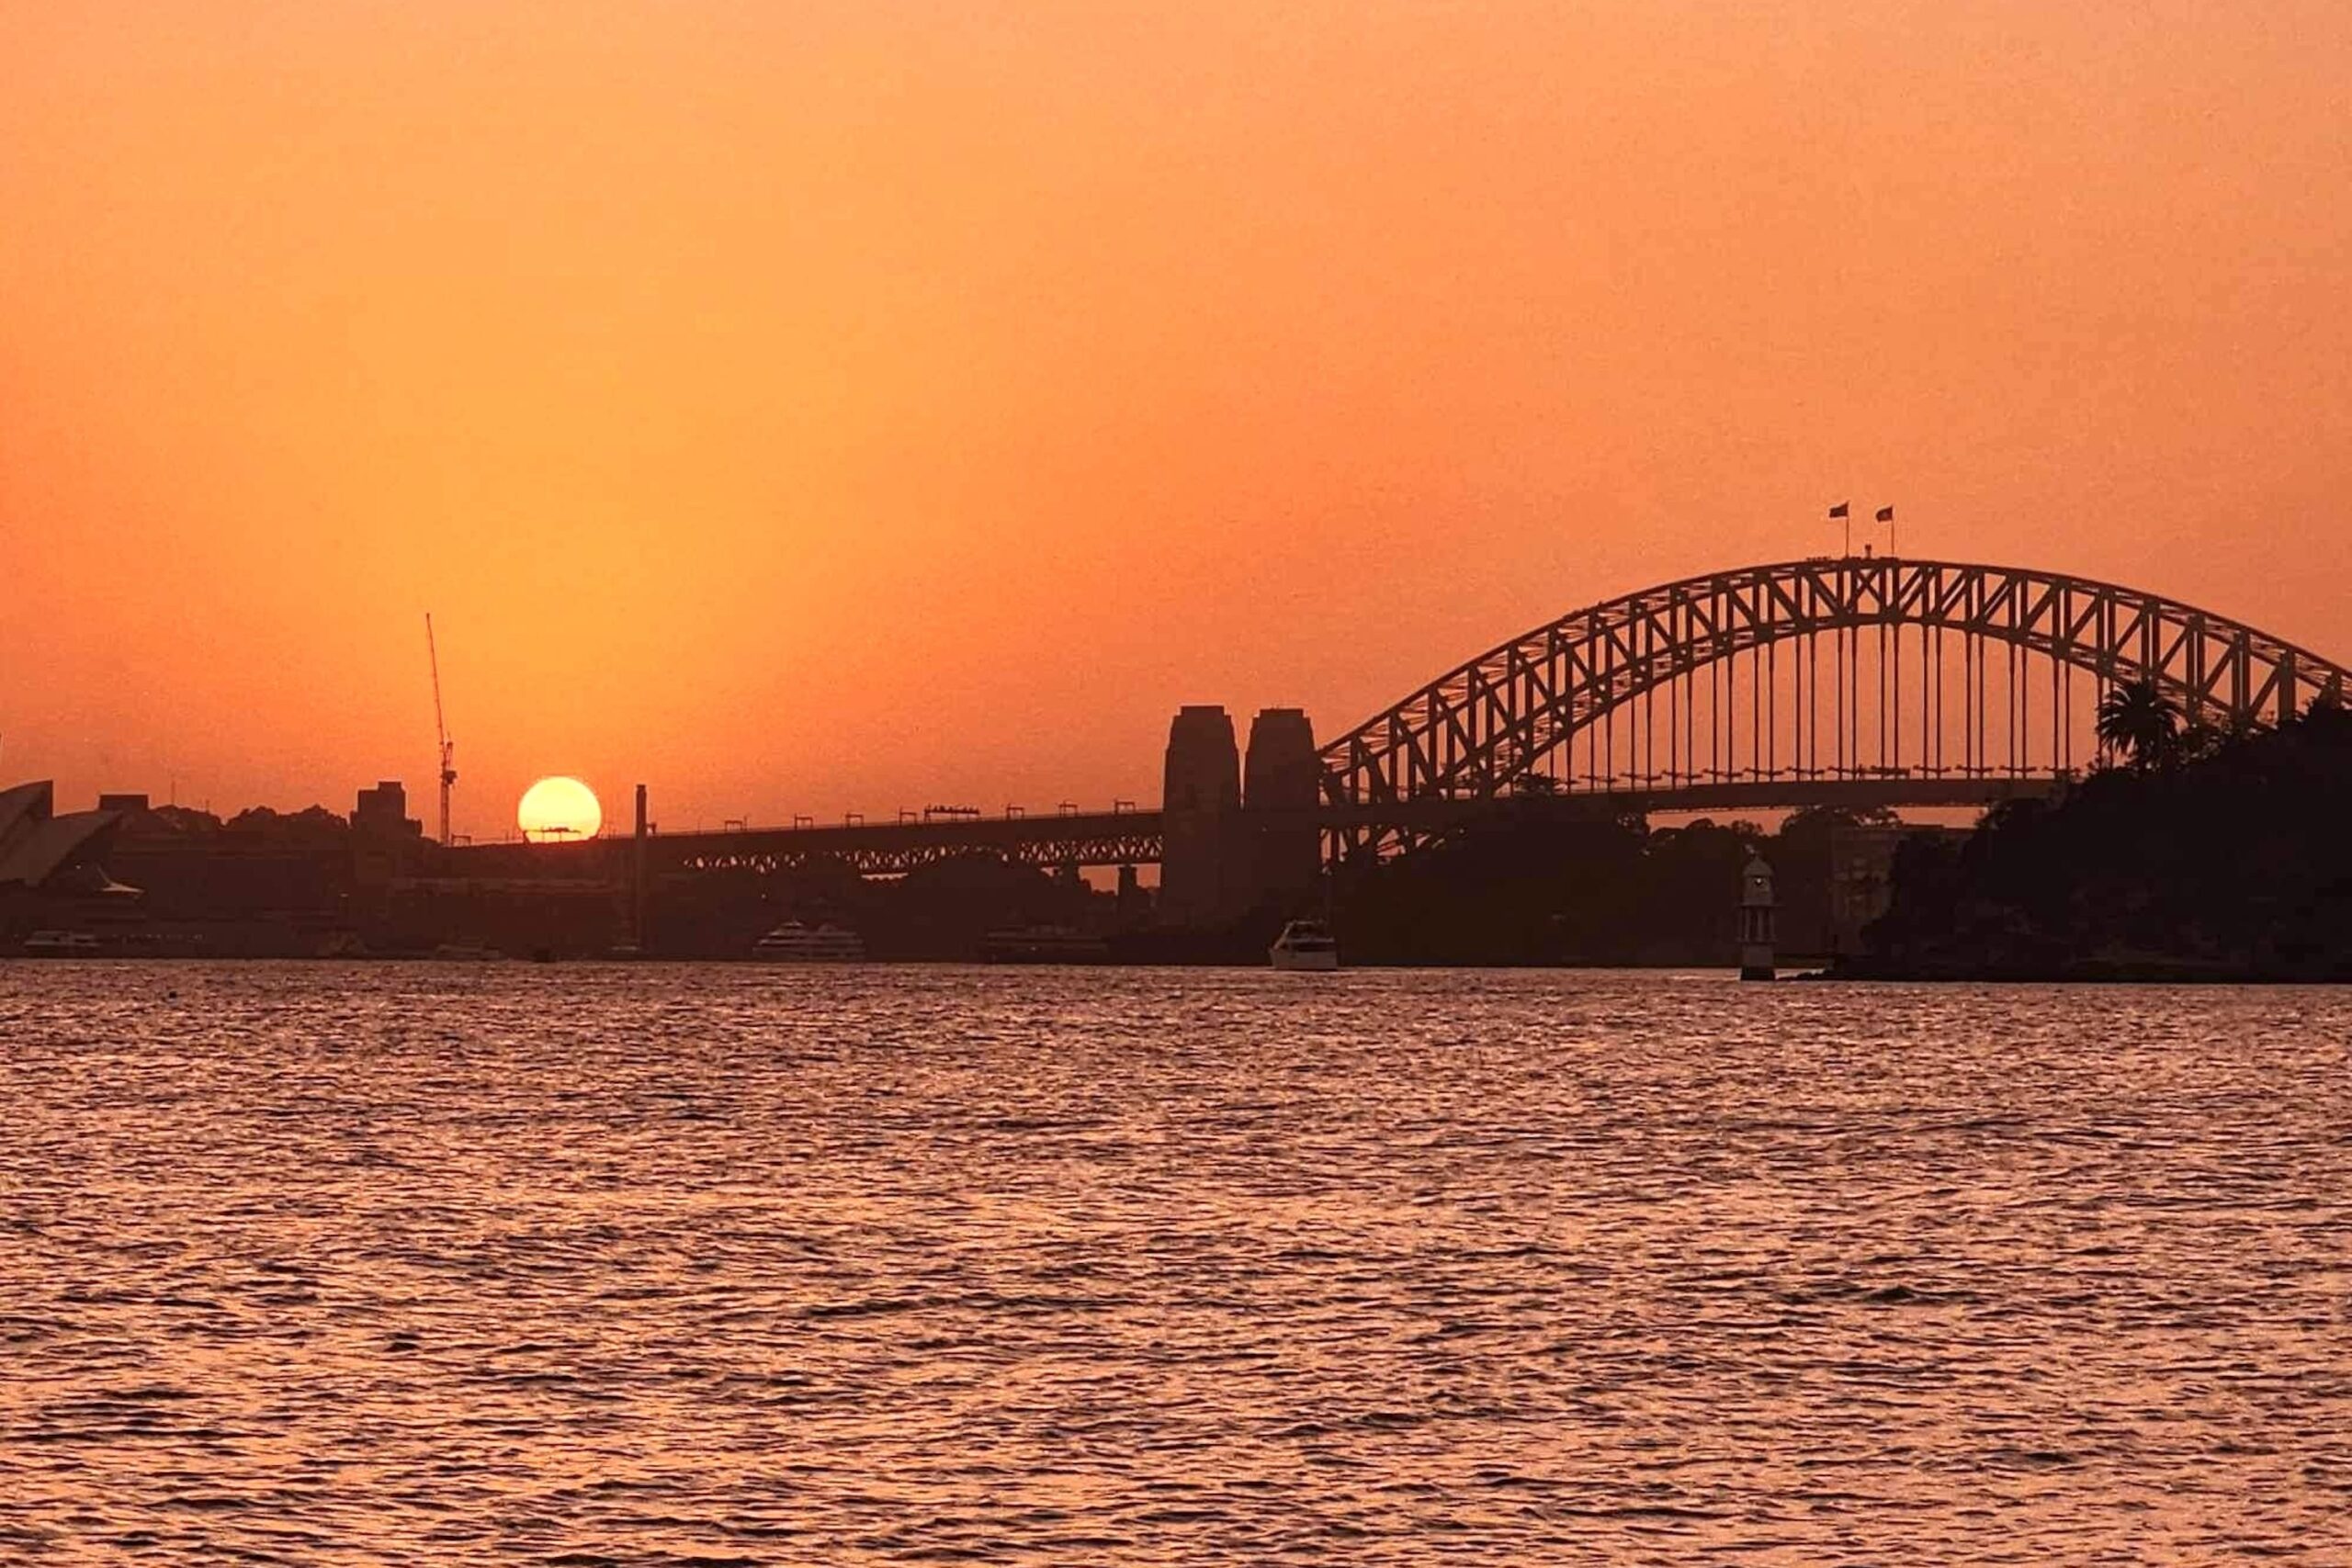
<point x="1305" y="945"/>
<point x="1044" y="944"/>
<point x="62" y="945"/>
<point x="796" y="942"/>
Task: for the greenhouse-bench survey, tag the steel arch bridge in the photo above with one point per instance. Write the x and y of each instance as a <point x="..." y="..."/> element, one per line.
<point x="1936" y="673"/>
<point x="1852" y="681"/>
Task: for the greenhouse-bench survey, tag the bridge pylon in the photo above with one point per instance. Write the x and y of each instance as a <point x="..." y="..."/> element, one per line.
<point x="1281" y="788"/>
<point x="1201" y="880"/>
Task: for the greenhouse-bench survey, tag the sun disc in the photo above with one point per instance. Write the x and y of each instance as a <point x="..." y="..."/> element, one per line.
<point x="559" y="810"/>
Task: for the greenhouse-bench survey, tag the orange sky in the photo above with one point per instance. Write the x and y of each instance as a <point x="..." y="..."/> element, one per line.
<point x="842" y="404"/>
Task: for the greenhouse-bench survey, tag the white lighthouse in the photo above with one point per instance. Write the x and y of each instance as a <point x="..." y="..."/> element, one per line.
<point x="1758" y="909"/>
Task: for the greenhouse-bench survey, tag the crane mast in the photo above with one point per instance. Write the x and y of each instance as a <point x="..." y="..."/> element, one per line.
<point x="449" y="747"/>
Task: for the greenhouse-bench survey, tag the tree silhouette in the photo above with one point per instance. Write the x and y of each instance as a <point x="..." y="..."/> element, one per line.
<point x="2137" y="719"/>
<point x="2232" y="865"/>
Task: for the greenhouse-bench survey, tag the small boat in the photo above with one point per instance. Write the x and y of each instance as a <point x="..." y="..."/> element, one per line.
<point x="796" y="943"/>
<point x="60" y="944"/>
<point x="1306" y="945"/>
<point x="1043" y="944"/>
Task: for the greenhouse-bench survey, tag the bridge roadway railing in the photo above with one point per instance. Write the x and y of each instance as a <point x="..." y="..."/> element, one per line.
<point x="891" y="849"/>
<point x="1744" y="795"/>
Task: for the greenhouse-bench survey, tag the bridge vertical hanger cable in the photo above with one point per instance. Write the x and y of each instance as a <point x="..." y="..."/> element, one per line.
<point x="1687" y="713"/>
<point x="1649" y="731"/>
<point x="1796" y="707"/>
<point x="1970" y="723"/>
<point x="1592" y="755"/>
<point x="1973" y="646"/>
<point x="1838" y="674"/>
<point x="1879" y="716"/>
<point x="1838" y="700"/>
<point x="1795" y="670"/>
<point x="2025" y="707"/>
<point x="1984" y="709"/>
<point x="1891" y="636"/>
<point x="2020" y="718"/>
<point x="1854" y="698"/>
<point x="1927" y="703"/>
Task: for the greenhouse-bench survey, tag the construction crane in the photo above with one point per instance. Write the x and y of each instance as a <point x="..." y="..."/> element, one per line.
<point x="449" y="747"/>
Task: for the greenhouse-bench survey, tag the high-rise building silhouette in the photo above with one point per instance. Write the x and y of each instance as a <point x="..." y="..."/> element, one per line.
<point x="383" y="812"/>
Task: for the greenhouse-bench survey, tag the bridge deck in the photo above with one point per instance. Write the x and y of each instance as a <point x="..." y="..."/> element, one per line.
<point x="1133" y="838"/>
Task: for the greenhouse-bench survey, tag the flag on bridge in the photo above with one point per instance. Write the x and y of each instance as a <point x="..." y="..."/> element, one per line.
<point x="1886" y="515"/>
<point x="1840" y="510"/>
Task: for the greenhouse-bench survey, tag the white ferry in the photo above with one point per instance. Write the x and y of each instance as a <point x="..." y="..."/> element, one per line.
<point x="795" y="943"/>
<point x="1306" y="945"/>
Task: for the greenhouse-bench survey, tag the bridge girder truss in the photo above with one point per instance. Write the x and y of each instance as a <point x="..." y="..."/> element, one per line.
<point x="1476" y="729"/>
<point x="885" y="850"/>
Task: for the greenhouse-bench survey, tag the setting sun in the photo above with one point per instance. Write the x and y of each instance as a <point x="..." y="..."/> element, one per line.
<point x="558" y="811"/>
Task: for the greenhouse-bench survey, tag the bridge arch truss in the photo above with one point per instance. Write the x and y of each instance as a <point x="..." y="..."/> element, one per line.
<point x="1852" y="668"/>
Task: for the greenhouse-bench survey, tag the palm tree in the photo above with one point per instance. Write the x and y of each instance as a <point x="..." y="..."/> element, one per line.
<point x="2137" y="719"/>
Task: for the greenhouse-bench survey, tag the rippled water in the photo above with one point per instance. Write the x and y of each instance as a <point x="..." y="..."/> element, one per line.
<point x="649" y="1265"/>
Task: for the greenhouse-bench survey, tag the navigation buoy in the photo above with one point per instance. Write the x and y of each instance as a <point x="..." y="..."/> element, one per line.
<point x="1757" y="911"/>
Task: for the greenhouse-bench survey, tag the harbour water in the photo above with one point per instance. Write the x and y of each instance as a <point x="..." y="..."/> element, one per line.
<point x="770" y="1265"/>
